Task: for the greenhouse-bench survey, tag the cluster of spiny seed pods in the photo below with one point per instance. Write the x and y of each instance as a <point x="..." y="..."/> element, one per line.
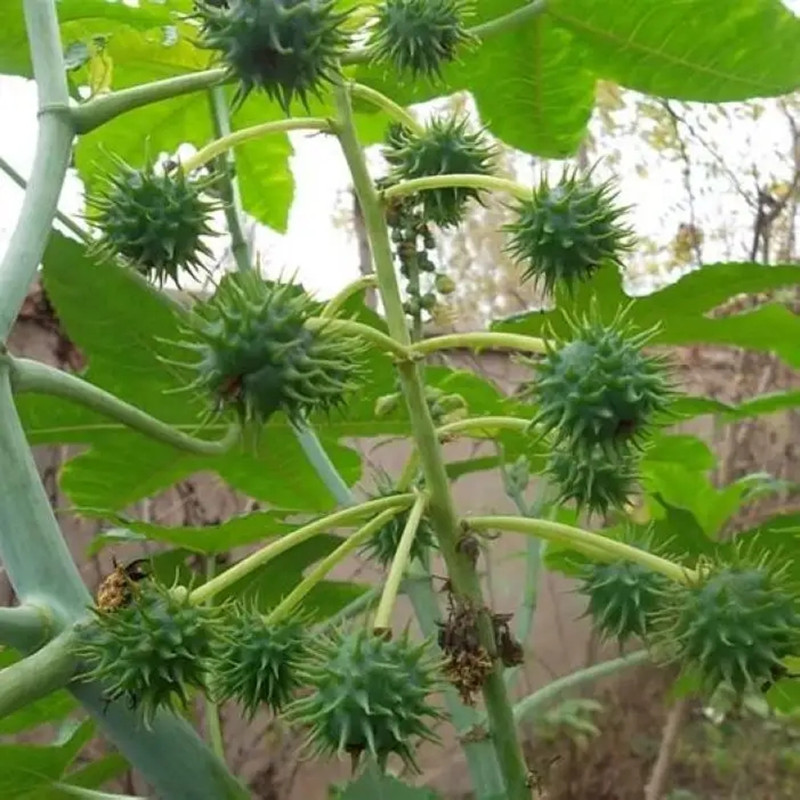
<point x="353" y="690"/>
<point x="261" y="348"/>
<point x="731" y="623"/>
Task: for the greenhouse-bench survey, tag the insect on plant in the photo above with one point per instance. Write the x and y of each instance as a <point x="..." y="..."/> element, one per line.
<point x="271" y="632"/>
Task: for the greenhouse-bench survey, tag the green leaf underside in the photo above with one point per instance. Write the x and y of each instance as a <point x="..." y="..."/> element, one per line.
<point x="688" y="49"/>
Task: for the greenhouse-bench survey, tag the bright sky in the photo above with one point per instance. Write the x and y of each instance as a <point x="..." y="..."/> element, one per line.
<point x="325" y="258"/>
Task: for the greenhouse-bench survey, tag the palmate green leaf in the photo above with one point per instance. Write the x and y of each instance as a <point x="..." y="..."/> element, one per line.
<point x="688" y="49"/>
<point x="682" y="309"/>
<point x="531" y="85"/>
<point x="235" y="532"/>
<point x="28" y="769"/>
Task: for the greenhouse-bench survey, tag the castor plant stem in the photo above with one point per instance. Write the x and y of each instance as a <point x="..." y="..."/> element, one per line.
<point x="480" y="340"/>
<point x="592" y="544"/>
<point x="223" y="144"/>
<point x="527" y="709"/>
<point x="25" y="627"/>
<point x="221" y="119"/>
<point x="461" y="572"/>
<point x="353" y="541"/>
<point x="365" y="332"/>
<point x="488" y="182"/>
<point x="33" y="376"/>
<point x="379" y="100"/>
<point x="53" y="147"/>
<point x="290" y="540"/>
<point x="383" y="615"/>
<point x="334" y="305"/>
<point x="39" y="674"/>
<point x="322" y="464"/>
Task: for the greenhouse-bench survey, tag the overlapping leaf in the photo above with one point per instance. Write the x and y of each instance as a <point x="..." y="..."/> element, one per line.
<point x="681" y="310"/>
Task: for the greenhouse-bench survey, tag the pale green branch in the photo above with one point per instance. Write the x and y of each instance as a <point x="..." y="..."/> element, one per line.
<point x="33" y="376"/>
<point x="528" y="708"/>
<point x="43" y="672"/>
<point x="244" y="567"/>
<point x="594" y="545"/>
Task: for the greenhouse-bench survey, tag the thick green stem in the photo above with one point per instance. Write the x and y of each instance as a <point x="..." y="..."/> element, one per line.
<point x="366" y="332"/>
<point x="381" y="101"/>
<point x="39" y="674"/>
<point x="230" y="140"/>
<point x="399" y="563"/>
<point x="592" y="544"/>
<point x="32" y="550"/>
<point x="230" y="186"/>
<point x="481" y="341"/>
<point x="25" y="627"/>
<point x="534" y="704"/>
<point x="319" y="573"/>
<point x="53" y="146"/>
<point x="290" y="540"/>
<point x="33" y="376"/>
<point x="466" y="181"/>
<point x="461" y="572"/>
<point x="68" y="223"/>
<point x="334" y="305"/>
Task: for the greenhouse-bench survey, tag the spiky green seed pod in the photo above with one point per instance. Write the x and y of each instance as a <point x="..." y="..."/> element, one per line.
<point x="383" y="544"/>
<point x="155" y="221"/>
<point x="257" y="355"/>
<point x="734" y="625"/>
<point x="256" y="663"/>
<point x="152" y="651"/>
<point x="445" y="147"/>
<point x="286" y="48"/>
<point x="419" y="37"/>
<point x="368" y="694"/>
<point x="622" y="598"/>
<point x="595" y="481"/>
<point x="597" y="389"/>
<point x="564" y="233"/>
